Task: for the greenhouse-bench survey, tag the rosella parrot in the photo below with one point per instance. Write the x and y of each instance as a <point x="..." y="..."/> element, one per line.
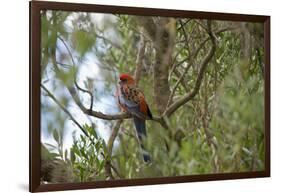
<point x="132" y="100"/>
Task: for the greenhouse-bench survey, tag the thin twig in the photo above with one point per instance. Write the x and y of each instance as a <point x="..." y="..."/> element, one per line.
<point x="175" y="65"/>
<point x="175" y="59"/>
<point x="187" y="47"/>
<point x="183" y="24"/>
<point x="106" y="40"/>
<point x="75" y="79"/>
<point x="177" y="84"/>
<point x="184" y="32"/>
<point x="182" y="81"/>
<point x="201" y="24"/>
<point x="139" y="61"/>
<point x="68" y="49"/>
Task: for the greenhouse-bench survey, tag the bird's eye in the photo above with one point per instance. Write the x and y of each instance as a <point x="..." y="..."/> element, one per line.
<point x="123" y="79"/>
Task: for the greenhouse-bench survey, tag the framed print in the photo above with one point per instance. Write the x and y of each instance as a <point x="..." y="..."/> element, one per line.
<point x="123" y="96"/>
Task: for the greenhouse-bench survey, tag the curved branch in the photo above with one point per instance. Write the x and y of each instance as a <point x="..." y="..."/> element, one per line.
<point x="92" y="112"/>
<point x="86" y="91"/>
<point x="194" y="55"/>
<point x="100" y="114"/>
<point x="177" y="104"/>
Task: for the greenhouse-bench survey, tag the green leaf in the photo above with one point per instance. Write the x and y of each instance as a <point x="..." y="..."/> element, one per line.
<point x="75" y="150"/>
<point x="83" y="139"/>
<point x="104" y="147"/>
<point x="91" y="131"/>
<point x="72" y="156"/>
<point x="97" y="146"/>
<point x="101" y="165"/>
<point x="51" y="146"/>
<point x="56" y="135"/>
<point x="83" y="153"/>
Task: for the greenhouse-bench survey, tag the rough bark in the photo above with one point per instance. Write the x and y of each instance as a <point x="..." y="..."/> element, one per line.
<point x="162" y="33"/>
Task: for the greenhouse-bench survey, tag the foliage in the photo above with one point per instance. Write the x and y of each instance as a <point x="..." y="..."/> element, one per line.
<point x="86" y="156"/>
<point x="84" y="163"/>
<point x="220" y="129"/>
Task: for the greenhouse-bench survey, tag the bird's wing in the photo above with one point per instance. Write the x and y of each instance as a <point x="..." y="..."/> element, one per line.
<point x="134" y="101"/>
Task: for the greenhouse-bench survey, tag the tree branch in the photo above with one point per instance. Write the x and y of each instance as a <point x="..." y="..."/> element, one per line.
<point x="97" y="114"/>
<point x="67" y="48"/>
<point x="65" y="110"/>
<point x="78" y="102"/>
<point x="174" y="69"/>
<point x="108" y="164"/>
<point x="75" y="80"/>
<point x="86" y="91"/>
<point x="106" y="40"/>
<point x="172" y="108"/>
<point x="92" y="112"/>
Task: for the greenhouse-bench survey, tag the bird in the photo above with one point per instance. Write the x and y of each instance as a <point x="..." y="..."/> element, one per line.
<point x="132" y="100"/>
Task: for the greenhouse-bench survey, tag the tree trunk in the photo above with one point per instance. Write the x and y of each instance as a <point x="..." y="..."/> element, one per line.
<point x="162" y="33"/>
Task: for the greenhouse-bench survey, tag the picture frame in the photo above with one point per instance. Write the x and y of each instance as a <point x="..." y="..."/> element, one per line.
<point x="35" y="8"/>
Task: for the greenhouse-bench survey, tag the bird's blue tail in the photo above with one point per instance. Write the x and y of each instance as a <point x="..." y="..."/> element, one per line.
<point x="141" y="131"/>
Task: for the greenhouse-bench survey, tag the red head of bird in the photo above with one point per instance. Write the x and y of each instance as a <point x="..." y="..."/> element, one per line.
<point x="126" y="79"/>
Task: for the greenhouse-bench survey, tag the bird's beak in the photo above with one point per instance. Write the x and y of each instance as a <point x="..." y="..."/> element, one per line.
<point x="119" y="82"/>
